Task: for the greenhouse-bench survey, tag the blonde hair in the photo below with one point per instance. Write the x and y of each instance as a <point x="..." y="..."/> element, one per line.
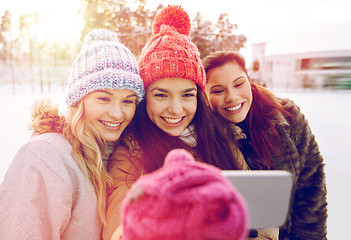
<point x="87" y="151"/>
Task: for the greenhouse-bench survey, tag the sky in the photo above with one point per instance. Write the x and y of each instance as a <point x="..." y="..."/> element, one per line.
<point x="285" y="26"/>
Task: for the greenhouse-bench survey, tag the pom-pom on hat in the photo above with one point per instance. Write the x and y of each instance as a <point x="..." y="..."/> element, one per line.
<point x="184" y="199"/>
<point x="170" y="52"/>
<point x="103" y="63"/>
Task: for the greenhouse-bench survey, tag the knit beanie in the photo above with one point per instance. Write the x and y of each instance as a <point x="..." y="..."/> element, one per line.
<point x="170" y="52"/>
<point x="184" y="199"/>
<point x="103" y="63"/>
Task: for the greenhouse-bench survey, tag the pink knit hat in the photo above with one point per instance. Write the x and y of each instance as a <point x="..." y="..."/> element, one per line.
<point x="103" y="62"/>
<point x="170" y="52"/>
<point x="184" y="200"/>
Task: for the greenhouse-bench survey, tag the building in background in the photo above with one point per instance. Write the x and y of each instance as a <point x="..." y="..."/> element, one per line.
<point x="320" y="69"/>
<point x="258" y="60"/>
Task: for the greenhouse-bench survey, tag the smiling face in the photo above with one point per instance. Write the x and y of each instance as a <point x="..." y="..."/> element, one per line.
<point x="110" y="111"/>
<point x="228" y="92"/>
<point x="171" y="104"/>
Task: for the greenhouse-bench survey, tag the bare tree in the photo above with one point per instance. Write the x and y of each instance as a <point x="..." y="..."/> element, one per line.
<point x="6" y="33"/>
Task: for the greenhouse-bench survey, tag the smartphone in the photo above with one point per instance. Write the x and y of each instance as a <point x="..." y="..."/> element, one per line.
<point x="267" y="194"/>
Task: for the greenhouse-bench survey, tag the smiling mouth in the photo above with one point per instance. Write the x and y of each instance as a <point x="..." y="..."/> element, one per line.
<point x="236" y="107"/>
<point x="172" y="120"/>
<point x="111" y="124"/>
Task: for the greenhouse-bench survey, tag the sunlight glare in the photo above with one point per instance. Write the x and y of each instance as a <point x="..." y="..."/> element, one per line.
<point x="60" y="28"/>
<point x="58" y="20"/>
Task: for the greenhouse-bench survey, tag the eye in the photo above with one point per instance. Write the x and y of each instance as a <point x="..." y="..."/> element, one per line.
<point x="217" y="91"/>
<point x="129" y="101"/>
<point x="160" y="95"/>
<point x="241" y="81"/>
<point x="189" y="95"/>
<point x="104" y="99"/>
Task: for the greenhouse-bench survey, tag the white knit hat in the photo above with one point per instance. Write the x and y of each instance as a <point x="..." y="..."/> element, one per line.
<point x="102" y="63"/>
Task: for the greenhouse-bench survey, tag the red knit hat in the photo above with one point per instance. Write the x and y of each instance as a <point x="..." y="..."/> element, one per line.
<point x="170" y="52"/>
<point x="184" y="200"/>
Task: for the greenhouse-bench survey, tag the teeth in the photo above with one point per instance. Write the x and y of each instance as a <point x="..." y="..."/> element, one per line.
<point x="110" y="124"/>
<point x="234" y="108"/>
<point x="173" y="120"/>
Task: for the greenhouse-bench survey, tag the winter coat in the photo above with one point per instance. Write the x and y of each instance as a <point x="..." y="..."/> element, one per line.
<point x="300" y="156"/>
<point x="44" y="194"/>
<point x="125" y="167"/>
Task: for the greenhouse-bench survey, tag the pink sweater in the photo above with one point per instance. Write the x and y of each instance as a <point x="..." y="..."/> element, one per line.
<point x="44" y="194"/>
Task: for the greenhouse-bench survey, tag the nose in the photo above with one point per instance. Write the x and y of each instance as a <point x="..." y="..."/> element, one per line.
<point x="230" y="95"/>
<point x="115" y="111"/>
<point x="175" y="107"/>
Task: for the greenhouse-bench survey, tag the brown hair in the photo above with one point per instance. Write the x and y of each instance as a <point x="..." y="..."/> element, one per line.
<point x="214" y="144"/>
<point x="220" y="58"/>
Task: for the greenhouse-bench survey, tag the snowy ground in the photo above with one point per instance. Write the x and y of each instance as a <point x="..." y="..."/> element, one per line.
<point x="328" y="112"/>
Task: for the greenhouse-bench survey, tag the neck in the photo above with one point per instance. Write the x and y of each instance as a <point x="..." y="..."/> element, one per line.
<point x="188" y="136"/>
<point x="109" y="147"/>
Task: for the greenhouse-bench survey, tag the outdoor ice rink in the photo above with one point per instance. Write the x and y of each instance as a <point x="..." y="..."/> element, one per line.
<point x="328" y="112"/>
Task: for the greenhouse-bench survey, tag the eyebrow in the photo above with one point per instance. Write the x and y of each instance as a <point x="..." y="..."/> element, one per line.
<point x="190" y="89"/>
<point x="132" y="95"/>
<point x="165" y="90"/>
<point x="104" y="91"/>
<point x="219" y="85"/>
<point x="107" y="92"/>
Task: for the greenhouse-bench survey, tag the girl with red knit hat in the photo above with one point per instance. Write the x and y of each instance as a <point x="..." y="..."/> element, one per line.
<point x="173" y="114"/>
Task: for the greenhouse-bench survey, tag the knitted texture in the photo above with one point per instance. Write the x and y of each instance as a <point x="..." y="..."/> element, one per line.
<point x="103" y="63"/>
<point x="184" y="200"/>
<point x="170" y="52"/>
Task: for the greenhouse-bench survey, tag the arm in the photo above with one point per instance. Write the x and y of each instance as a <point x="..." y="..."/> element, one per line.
<point x="36" y="199"/>
<point x="310" y="206"/>
<point x="124" y="171"/>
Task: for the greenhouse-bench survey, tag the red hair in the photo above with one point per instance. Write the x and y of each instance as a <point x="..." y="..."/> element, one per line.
<point x="265" y="137"/>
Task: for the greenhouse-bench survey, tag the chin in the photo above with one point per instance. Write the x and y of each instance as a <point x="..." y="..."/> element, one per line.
<point x="111" y="138"/>
<point x="176" y="133"/>
<point x="173" y="134"/>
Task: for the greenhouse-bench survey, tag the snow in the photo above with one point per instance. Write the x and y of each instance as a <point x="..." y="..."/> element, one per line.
<point x="327" y="111"/>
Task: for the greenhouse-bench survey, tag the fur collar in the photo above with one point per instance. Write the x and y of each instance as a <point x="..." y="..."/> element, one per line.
<point x="46" y="118"/>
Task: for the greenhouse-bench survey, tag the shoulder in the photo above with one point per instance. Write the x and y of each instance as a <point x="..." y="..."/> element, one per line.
<point x="124" y="164"/>
<point x="46" y="142"/>
<point x="121" y="153"/>
<point x="123" y="158"/>
<point x="46" y="160"/>
<point x="46" y="146"/>
<point x="295" y="118"/>
<point x="290" y="106"/>
<point x="56" y="140"/>
<point x="44" y="170"/>
<point x="48" y="155"/>
<point x="129" y="146"/>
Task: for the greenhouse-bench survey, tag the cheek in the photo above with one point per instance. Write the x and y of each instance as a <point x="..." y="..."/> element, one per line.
<point x="88" y="114"/>
<point x="191" y="107"/>
<point x="152" y="108"/>
<point x="130" y="112"/>
<point x="215" y="102"/>
<point x="250" y="93"/>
